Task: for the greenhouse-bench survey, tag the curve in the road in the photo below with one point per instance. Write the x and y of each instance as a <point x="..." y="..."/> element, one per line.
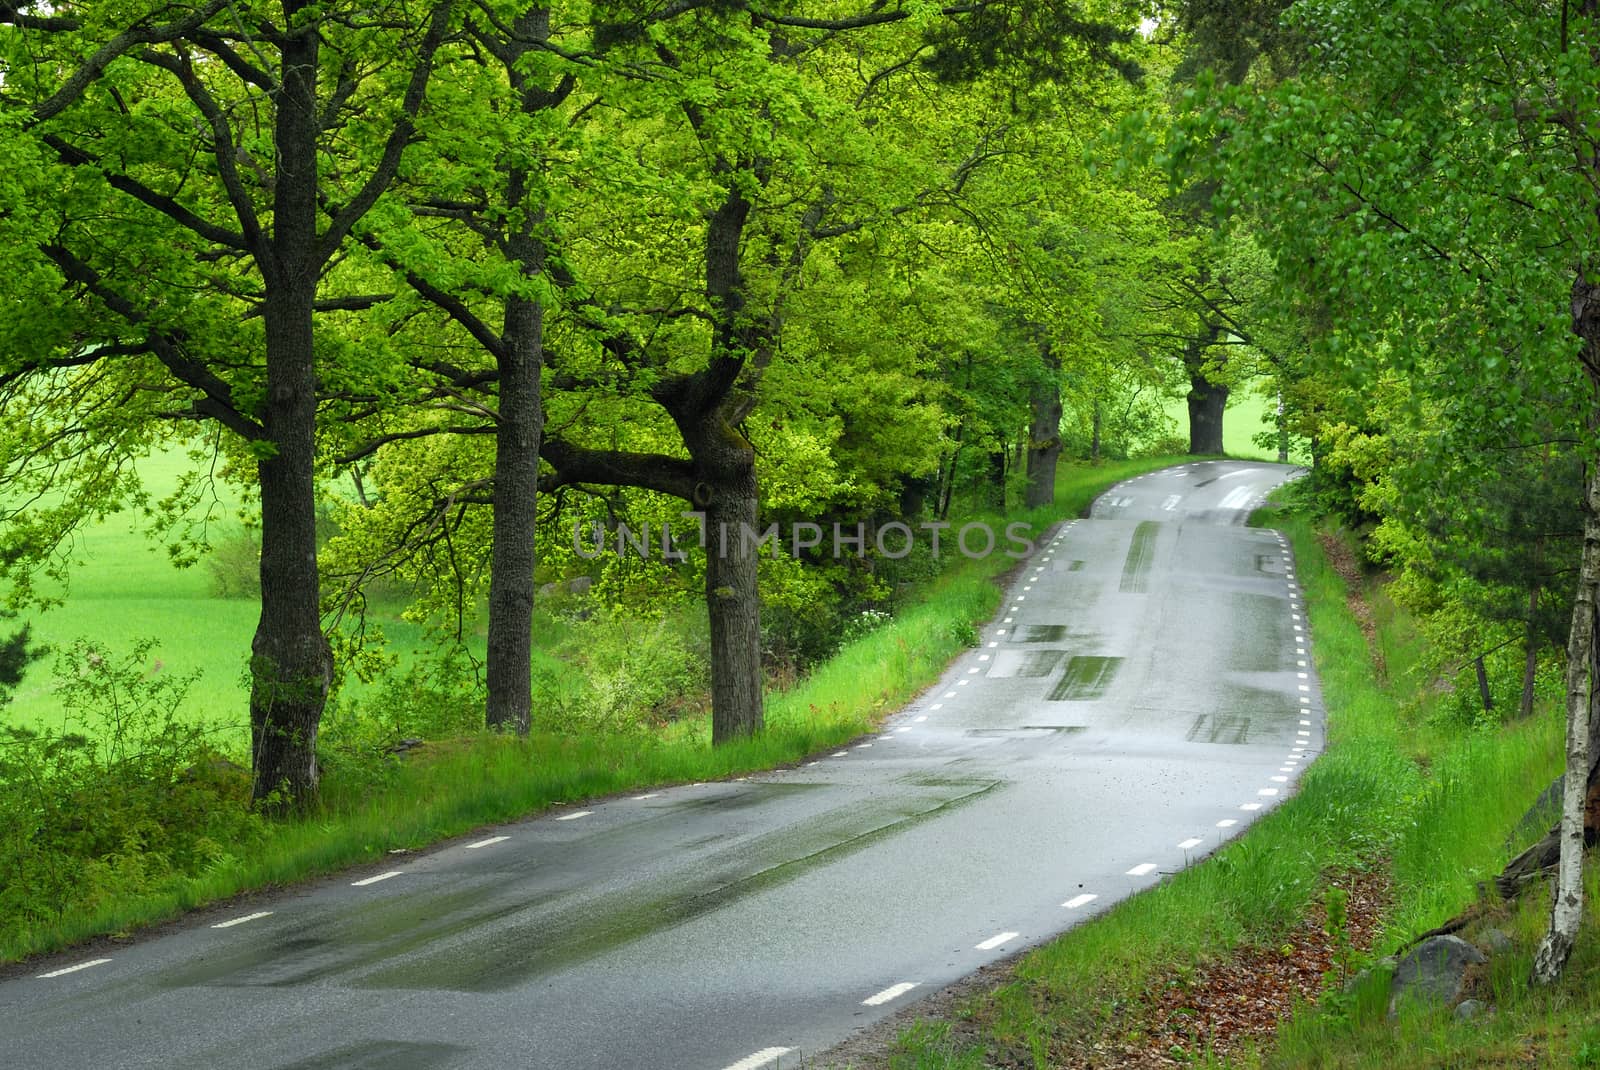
<point x="1145" y="692"/>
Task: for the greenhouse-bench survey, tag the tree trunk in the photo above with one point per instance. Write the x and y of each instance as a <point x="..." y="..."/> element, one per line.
<point x="1094" y="437"/>
<point x="1207" y="402"/>
<point x="733" y="601"/>
<point x="1044" y="438"/>
<point x="1566" y="909"/>
<point x="1283" y="433"/>
<point x="292" y="663"/>
<point x="1530" y="664"/>
<point x="516" y="483"/>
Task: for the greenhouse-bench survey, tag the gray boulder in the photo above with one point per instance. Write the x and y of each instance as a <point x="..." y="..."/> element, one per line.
<point x="1468" y="1009"/>
<point x="1434" y="972"/>
<point x="1494" y="941"/>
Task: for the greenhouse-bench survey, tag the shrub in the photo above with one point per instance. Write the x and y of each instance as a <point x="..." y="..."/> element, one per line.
<point x="122" y="798"/>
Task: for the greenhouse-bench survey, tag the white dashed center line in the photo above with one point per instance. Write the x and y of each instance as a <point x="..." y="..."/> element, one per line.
<point x="73" y="969"/>
<point x="892" y="992"/>
<point x="230" y="923"/>
<point x="995" y="941"/>
<point x="1080" y="900"/>
<point x="1142" y="869"/>
<point x="375" y="880"/>
<point x="759" y="1059"/>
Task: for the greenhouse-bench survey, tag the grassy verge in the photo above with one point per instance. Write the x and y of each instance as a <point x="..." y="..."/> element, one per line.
<point x="456" y="786"/>
<point x="1439" y="826"/>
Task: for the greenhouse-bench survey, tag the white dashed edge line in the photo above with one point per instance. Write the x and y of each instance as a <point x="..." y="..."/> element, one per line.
<point x="575" y="815"/>
<point x="492" y="840"/>
<point x="995" y="941"/>
<point x="1080" y="900"/>
<point x="375" y="880"/>
<point x="759" y="1059"/>
<point x="1143" y="869"/>
<point x="892" y="992"/>
<point x="231" y="922"/>
<point x="73" y="969"/>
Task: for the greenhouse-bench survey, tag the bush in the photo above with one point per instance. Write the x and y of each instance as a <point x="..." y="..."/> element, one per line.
<point x="235" y="566"/>
<point x="123" y="798"/>
<point x="626" y="673"/>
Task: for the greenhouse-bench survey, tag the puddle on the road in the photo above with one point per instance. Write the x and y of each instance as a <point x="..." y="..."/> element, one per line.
<point x="1032" y="663"/>
<point x="1087" y="677"/>
<point x="1141" y="551"/>
<point x="1041" y="633"/>
<point x="1219" y="728"/>
<point x="505" y="957"/>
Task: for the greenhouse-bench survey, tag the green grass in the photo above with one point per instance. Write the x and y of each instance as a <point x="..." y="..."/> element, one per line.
<point x="457" y="786"/>
<point x="1248" y="414"/>
<point x="1365" y="802"/>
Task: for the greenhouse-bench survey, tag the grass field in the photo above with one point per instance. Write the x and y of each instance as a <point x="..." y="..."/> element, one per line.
<point x="1248" y="414"/>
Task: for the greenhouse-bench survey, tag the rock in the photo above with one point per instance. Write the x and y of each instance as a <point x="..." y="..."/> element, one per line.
<point x="407" y="745"/>
<point x="1468" y="1009"/>
<point x="578" y="585"/>
<point x="1384" y="965"/>
<point x="1433" y="971"/>
<point x="1494" y="942"/>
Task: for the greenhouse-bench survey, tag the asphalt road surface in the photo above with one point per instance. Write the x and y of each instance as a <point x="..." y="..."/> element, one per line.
<point x="1145" y="692"/>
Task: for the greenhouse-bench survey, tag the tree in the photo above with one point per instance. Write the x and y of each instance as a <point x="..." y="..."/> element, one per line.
<point x="1431" y="174"/>
<point x="249" y="142"/>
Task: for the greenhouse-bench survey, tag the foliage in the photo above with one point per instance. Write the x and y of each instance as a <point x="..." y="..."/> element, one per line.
<point x="123" y="800"/>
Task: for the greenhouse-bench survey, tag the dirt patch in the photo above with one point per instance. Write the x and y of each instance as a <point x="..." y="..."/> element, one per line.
<point x="1344" y="562"/>
<point x="1220" y="1007"/>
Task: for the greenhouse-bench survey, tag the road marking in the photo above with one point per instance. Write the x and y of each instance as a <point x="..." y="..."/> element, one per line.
<point x="575" y="815"/>
<point x="1267" y="791"/>
<point x="1006" y="621"/>
<point x="1304" y="687"/>
<point x="501" y="839"/>
<point x="892" y="992"/>
<point x="971" y="672"/>
<point x="948" y="694"/>
<point x="230" y="923"/>
<point x="810" y="764"/>
<point x="1249" y="806"/>
<point x="983" y="657"/>
<point x="73" y="969"/>
<point x="995" y="941"/>
<point x="1305" y="724"/>
<point x="1286" y="768"/>
<point x="1026" y="588"/>
<point x="1295" y="616"/>
<point x="963" y="683"/>
<point x="1022" y="598"/>
<point x="1302" y="676"/>
<point x="1142" y="869"/>
<point x="1190" y="844"/>
<point x="1304" y="701"/>
<point x="1298" y="628"/>
<point x="1171" y="502"/>
<point x="1302" y="732"/>
<point x="1299" y="650"/>
<point x="759" y="1059"/>
<point x="903" y="728"/>
<point x="1080" y="900"/>
<point x="375" y="880"/>
<point x="1227" y="823"/>
<point x="1302" y="664"/>
<point x="924" y="717"/>
<point x="1279" y="779"/>
<point x="862" y="746"/>
<point x="993" y="645"/>
<point x="842" y="754"/>
<point x="1002" y="631"/>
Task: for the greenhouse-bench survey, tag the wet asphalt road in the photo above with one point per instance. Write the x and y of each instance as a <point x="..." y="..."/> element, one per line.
<point x="1145" y="692"/>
